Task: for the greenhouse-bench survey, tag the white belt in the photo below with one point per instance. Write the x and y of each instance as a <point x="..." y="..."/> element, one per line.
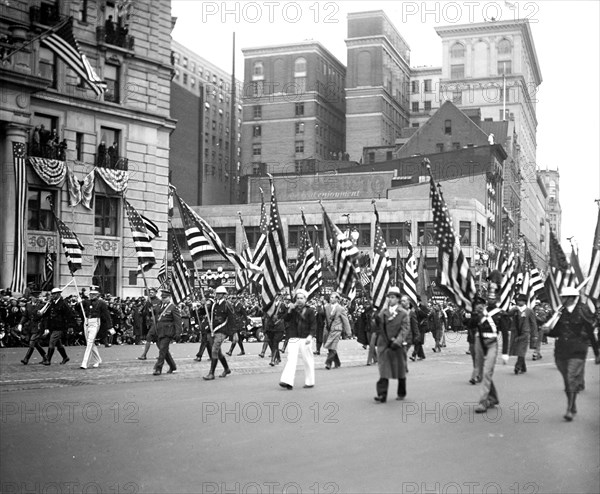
<point x="489" y="335"/>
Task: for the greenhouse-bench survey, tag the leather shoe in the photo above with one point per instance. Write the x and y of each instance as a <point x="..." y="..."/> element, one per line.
<point x="241" y="353"/>
<point x="413" y="359"/>
<point x="400" y="398"/>
<point x="316" y="353"/>
<point x="481" y="409"/>
<point x="156" y="373"/>
<point x="308" y="386"/>
<point x="198" y="359"/>
<point x="380" y="399"/>
<point x="225" y="373"/>
<point x="209" y="377"/>
<point x="473" y="381"/>
<point x="142" y="358"/>
<point x="328" y="367"/>
<point x="171" y="371"/>
<point x="286" y="385"/>
<point x="45" y="362"/>
<point x="229" y="353"/>
<point x="261" y="355"/>
<point x="65" y="360"/>
<point x="272" y="364"/>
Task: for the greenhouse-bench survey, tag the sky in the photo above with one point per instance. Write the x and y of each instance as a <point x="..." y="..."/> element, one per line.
<point x="567" y="42"/>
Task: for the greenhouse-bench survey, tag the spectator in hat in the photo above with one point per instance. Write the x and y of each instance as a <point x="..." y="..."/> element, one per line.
<point x="168" y="327"/>
<point x="524" y="331"/>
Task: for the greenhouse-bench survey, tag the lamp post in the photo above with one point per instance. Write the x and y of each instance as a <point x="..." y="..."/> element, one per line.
<point x="481" y="261"/>
<point x="213" y="280"/>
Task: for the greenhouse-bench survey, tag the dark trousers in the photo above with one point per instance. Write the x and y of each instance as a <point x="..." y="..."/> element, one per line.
<point x="164" y="354"/>
<point x="240" y="343"/>
<point x="383" y="384"/>
<point x="56" y="342"/>
<point x="204" y="345"/>
<point x="332" y="357"/>
<point x="418" y="350"/>
<point x="520" y="365"/>
<point x="319" y="338"/>
<point x="274" y="340"/>
<point x="505" y="338"/>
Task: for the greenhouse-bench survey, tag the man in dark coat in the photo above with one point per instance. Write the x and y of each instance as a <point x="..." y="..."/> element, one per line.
<point x="58" y="316"/>
<point x="524" y="330"/>
<point x="32" y="329"/>
<point x="240" y="319"/>
<point x="274" y="328"/>
<point x="422" y="312"/>
<point x="394" y="326"/>
<point x="149" y="309"/>
<point x="220" y="316"/>
<point x="168" y="327"/>
<point x="97" y="323"/>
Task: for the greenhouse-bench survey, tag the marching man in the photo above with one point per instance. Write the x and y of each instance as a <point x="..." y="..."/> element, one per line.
<point x="97" y="323"/>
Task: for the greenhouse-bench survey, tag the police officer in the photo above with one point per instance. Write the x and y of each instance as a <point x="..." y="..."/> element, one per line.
<point x="58" y="315"/>
<point x="97" y="323"/>
<point x="220" y="316"/>
<point x="168" y="327"/>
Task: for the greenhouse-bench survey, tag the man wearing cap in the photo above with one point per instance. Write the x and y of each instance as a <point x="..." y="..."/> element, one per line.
<point x="31" y="328"/>
<point x="486" y="351"/>
<point x="393" y="323"/>
<point x="57" y="315"/>
<point x="301" y="329"/>
<point x="524" y="329"/>
<point x="574" y="332"/>
<point x="220" y="316"/>
<point x="168" y="327"/>
<point x="149" y="308"/>
<point x="97" y="322"/>
<point x="336" y="320"/>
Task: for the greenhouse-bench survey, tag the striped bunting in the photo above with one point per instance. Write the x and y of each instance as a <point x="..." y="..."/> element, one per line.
<point x="52" y="172"/>
<point x="19" y="274"/>
<point x="117" y="180"/>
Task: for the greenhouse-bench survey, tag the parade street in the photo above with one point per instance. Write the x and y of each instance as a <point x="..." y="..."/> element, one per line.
<point x="118" y="429"/>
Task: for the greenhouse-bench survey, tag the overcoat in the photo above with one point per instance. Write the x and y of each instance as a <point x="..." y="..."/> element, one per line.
<point x="524" y="329"/>
<point x="391" y="353"/>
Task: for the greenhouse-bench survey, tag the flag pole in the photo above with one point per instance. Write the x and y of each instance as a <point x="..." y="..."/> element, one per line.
<point x="35" y="38"/>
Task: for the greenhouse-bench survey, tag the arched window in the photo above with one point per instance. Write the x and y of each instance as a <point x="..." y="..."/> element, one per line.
<point x="457" y="50"/>
<point x="257" y="71"/>
<point x="504" y="47"/>
<point x="300" y="67"/>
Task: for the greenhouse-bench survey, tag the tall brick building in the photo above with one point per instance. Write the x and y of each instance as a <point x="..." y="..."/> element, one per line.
<point x="126" y="129"/>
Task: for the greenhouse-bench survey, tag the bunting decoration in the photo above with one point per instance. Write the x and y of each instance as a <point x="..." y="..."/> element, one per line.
<point x="74" y="188"/>
<point x="117" y="180"/>
<point x="52" y="172"/>
<point x="19" y="275"/>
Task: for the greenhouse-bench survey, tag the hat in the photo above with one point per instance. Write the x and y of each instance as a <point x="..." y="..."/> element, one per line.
<point x="569" y="291"/>
<point x="164" y="291"/>
<point x="221" y="289"/>
<point x="93" y="290"/>
<point x="394" y="290"/>
<point x="521" y="297"/>
<point x="301" y="291"/>
<point x="479" y="300"/>
<point x="56" y="290"/>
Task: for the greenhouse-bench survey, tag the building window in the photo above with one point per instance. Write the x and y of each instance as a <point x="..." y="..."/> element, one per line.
<point x="256" y="131"/>
<point x="415" y="125"/>
<point x="427" y="105"/>
<point x="396" y="234"/>
<point x="83" y="11"/>
<point x="504" y="47"/>
<point x="257" y="111"/>
<point x="440" y="147"/>
<point x="300" y="67"/>
<point x="388" y="155"/>
<point x="465" y="232"/>
<point x="456" y="145"/>
<point x="257" y="71"/>
<point x="426" y="233"/>
<point x="184" y="78"/>
<point x="427" y="84"/>
<point x="185" y="62"/>
<point x="448" y="127"/>
<point x="79" y="146"/>
<point x="457" y="71"/>
<point x="299" y="146"/>
<point x="415" y="106"/>
<point x="505" y="67"/>
<point x="364" y="234"/>
<point x="414" y="87"/>
<point x="108" y="154"/>
<point x="227" y="235"/>
<point x="39" y="214"/>
<point x="299" y="109"/>
<point x="371" y="156"/>
<point x="253" y="234"/>
<point x="111" y="77"/>
<point x="457" y="51"/>
<point x="457" y="97"/>
<point x="299" y="127"/>
<point x="256" y="149"/>
<point x="47" y="66"/>
<point x="105" y="274"/>
<point x="107" y="214"/>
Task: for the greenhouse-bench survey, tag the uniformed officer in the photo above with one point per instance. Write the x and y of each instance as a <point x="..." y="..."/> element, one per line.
<point x="97" y="324"/>
<point x="168" y="327"/>
<point x="220" y="314"/>
<point x="57" y="315"/>
<point x="32" y="329"/>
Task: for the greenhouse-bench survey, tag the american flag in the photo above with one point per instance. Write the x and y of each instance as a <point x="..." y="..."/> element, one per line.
<point x="71" y="245"/>
<point x="141" y="239"/>
<point x="62" y="42"/>
<point x="381" y="267"/>
<point x="455" y="274"/>
<point x="563" y="273"/>
<point x="532" y="279"/>
<point x="308" y="274"/>
<point x="213" y="239"/>
<point x="506" y="266"/>
<point x="423" y="282"/>
<point x="276" y="276"/>
<point x="163" y="272"/>
<point x="180" y="285"/>
<point x="261" y="244"/>
<point x="241" y="275"/>
<point x="151" y="227"/>
<point x="198" y="244"/>
<point x="48" y="273"/>
<point x="592" y="289"/>
<point x="19" y="273"/>
<point x="345" y="255"/>
<point x="411" y="276"/>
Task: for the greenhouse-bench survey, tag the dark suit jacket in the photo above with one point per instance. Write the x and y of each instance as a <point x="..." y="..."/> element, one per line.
<point x="168" y="321"/>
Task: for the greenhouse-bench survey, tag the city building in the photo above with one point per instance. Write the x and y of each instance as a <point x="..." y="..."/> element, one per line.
<point x="205" y="153"/>
<point x="293" y="108"/>
<point x="65" y="128"/>
<point x="424" y="94"/>
<point x="551" y="180"/>
<point x="377" y="82"/>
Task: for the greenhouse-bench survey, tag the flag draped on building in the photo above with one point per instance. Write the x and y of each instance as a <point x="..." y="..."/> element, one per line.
<point x="506" y="266"/>
<point x="592" y="289"/>
<point x="344" y="254"/>
<point x="141" y="239"/>
<point x="62" y="42"/>
<point x="275" y="271"/>
<point x="242" y="279"/>
<point x="261" y="244"/>
<point x="201" y="227"/>
<point x="72" y="246"/>
<point x="381" y="273"/>
<point x="180" y="285"/>
<point x="48" y="273"/>
<point x="19" y="274"/>
<point x="411" y="276"/>
<point x="455" y="274"/>
<point x="308" y="274"/>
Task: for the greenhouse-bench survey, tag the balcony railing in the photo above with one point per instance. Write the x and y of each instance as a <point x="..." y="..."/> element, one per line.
<point x="114" y="162"/>
<point x="117" y="37"/>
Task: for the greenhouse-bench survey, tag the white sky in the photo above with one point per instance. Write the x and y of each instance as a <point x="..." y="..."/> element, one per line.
<point x="566" y="37"/>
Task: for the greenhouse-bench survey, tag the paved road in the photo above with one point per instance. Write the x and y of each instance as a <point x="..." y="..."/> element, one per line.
<point x="118" y="429"/>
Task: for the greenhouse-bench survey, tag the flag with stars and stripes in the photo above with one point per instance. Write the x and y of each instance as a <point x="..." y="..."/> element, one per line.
<point x="62" y="42"/>
<point x="562" y="271"/>
<point x="592" y="289"/>
<point x="180" y="285"/>
<point x="19" y="215"/>
<point x="345" y="254"/>
<point x="275" y="270"/>
<point x="197" y="242"/>
<point x="72" y="246"/>
<point x="506" y="266"/>
<point x="381" y="267"/>
<point x="308" y="274"/>
<point x="261" y="244"/>
<point x="141" y="239"/>
<point x="48" y="273"/>
<point x="411" y="276"/>
<point x="163" y="272"/>
<point x="455" y="274"/>
<point x="532" y="279"/>
<point x="151" y="227"/>
<point x="241" y="275"/>
<point x="423" y="282"/>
